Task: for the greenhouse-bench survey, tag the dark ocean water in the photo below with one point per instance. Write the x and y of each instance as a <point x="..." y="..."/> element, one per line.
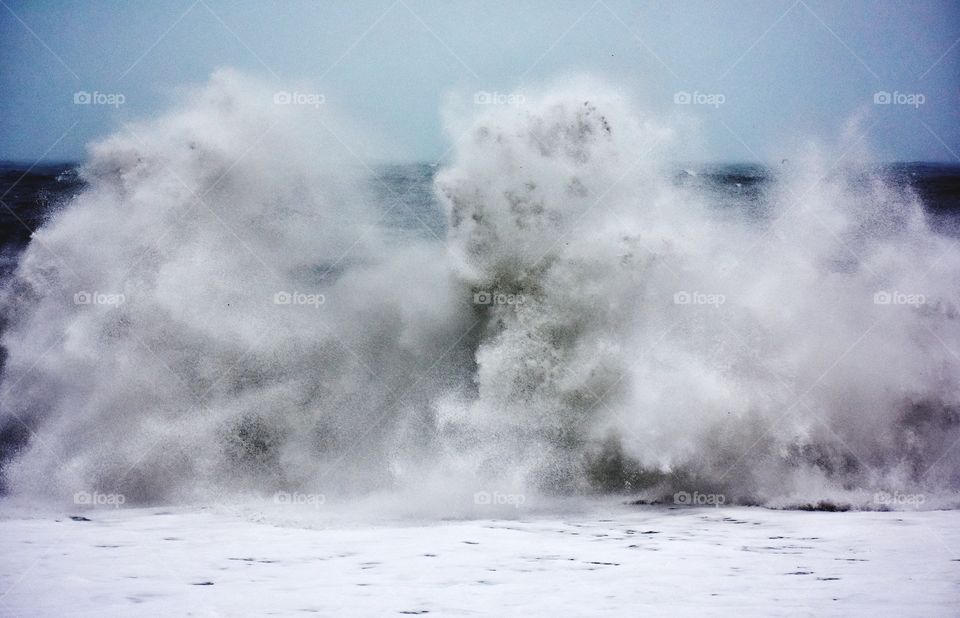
<point x="29" y="196"/>
<point x="32" y="194"/>
<point x="405" y="190"/>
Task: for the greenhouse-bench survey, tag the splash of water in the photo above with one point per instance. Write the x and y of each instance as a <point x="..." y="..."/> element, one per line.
<point x="589" y="324"/>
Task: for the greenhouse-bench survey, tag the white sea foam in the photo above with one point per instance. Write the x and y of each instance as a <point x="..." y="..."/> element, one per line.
<point x="589" y="324"/>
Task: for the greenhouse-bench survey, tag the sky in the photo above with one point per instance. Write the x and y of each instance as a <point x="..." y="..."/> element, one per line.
<point x="760" y="74"/>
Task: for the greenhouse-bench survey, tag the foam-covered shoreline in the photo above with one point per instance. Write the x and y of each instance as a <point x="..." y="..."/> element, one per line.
<point x="602" y="561"/>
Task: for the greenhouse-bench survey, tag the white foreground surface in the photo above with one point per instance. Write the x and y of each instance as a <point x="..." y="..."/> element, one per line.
<point x="613" y="561"/>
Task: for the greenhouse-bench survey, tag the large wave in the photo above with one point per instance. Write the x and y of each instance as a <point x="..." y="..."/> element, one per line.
<point x="223" y="309"/>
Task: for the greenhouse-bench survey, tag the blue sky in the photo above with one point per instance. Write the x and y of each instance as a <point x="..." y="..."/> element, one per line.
<point x="785" y="68"/>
